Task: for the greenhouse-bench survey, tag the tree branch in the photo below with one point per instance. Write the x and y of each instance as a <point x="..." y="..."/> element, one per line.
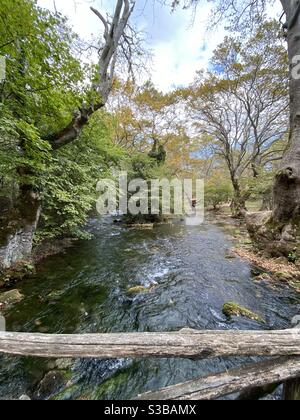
<point x="106" y="28"/>
<point x="107" y="61"/>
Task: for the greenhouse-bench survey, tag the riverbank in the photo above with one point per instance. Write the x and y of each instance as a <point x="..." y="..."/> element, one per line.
<point x="265" y="268"/>
<point x="271" y="269"/>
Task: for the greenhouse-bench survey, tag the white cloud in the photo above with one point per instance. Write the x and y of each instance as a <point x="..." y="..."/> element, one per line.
<point x="190" y="49"/>
<point x="180" y="46"/>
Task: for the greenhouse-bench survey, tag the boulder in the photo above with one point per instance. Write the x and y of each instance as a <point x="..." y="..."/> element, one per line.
<point x="275" y="239"/>
<point x="50" y="385"/>
<point x="8" y="299"/>
<point x="257" y="226"/>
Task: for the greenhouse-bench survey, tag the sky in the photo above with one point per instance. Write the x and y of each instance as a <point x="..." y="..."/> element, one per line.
<point x="180" y="42"/>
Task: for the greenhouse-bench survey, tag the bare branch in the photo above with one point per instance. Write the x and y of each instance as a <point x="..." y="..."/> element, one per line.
<point x="105" y="24"/>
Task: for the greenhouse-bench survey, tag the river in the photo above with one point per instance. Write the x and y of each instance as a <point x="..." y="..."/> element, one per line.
<point x="85" y="291"/>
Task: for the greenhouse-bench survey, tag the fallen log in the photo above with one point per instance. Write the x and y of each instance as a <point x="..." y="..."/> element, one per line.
<point x="187" y="343"/>
<point x="236" y="380"/>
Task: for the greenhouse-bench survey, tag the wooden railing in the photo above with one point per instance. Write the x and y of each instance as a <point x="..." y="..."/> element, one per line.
<point x="283" y="347"/>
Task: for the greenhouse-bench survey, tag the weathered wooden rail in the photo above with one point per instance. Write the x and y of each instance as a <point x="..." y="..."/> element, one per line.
<point x="282" y="348"/>
<point x="186" y="343"/>
<point x="233" y="381"/>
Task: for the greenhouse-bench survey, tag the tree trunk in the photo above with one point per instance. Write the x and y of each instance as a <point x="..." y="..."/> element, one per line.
<point x="287" y="183"/>
<point x="255" y="170"/>
<point x="17" y="233"/>
<point x="280" y="233"/>
<point x="238" y="204"/>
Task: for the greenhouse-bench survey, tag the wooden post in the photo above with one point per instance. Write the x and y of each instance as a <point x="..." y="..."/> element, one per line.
<point x="291" y="391"/>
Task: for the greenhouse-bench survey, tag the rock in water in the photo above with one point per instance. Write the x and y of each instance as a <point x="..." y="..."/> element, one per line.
<point x="136" y="290"/>
<point x="233" y="309"/>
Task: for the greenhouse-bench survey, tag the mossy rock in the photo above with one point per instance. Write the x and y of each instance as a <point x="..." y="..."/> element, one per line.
<point x="111" y="386"/>
<point x="137" y="290"/>
<point x="233" y="309"/>
<point x="142" y="226"/>
<point x="247" y="242"/>
<point x="55" y="295"/>
<point x="10" y="298"/>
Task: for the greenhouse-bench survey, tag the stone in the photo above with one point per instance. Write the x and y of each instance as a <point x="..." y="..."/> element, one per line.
<point x="10" y="298"/>
<point x="230" y="256"/>
<point x="257" y="225"/>
<point x="24" y="398"/>
<point x="52" y="383"/>
<point x="143" y="226"/>
<point x="136" y="290"/>
<point x="55" y="295"/>
<point x="296" y="321"/>
<point x="288" y="233"/>
<point x="233" y="309"/>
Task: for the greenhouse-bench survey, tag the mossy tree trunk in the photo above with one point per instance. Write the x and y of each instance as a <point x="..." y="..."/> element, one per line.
<point x="19" y="226"/>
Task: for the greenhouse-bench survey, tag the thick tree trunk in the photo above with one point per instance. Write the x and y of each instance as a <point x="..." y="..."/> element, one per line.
<point x="287" y="183"/>
<point x="18" y="229"/>
<point x="280" y="232"/>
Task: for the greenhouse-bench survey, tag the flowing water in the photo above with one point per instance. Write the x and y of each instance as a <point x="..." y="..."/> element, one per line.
<point x="85" y="291"/>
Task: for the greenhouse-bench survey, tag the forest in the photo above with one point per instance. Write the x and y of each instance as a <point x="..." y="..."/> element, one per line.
<point x="78" y="111"/>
